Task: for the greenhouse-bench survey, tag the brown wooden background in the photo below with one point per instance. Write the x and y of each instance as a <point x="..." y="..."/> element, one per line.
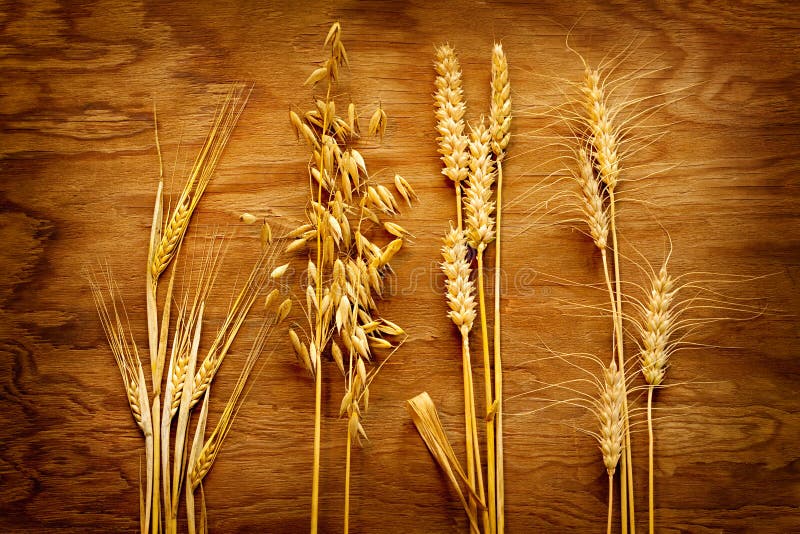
<point x="79" y="173"/>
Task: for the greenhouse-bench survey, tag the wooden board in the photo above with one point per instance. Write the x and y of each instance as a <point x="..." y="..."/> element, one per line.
<point x="79" y="174"/>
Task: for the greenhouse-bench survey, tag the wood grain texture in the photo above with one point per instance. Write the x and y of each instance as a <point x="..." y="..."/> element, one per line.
<point x="79" y="173"/>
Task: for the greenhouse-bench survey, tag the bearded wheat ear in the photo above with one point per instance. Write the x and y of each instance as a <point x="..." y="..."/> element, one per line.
<point x="610" y="412"/>
<point x="656" y="328"/>
<point x="127" y="358"/>
<point x="604" y="138"/>
<point x="500" y="128"/>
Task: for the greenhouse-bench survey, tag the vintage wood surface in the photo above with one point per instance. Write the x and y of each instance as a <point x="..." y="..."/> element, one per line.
<point x="79" y="174"/>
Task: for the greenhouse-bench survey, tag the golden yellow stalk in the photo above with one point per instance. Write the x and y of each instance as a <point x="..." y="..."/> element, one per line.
<point x="461" y="300"/>
<point x="610" y="412"/>
<point x="479" y="229"/>
<point x="127" y="358"/>
<point x="500" y="128"/>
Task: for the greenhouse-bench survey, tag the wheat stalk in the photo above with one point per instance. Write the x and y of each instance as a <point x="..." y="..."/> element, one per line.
<point x="127" y="358"/>
<point x="479" y="230"/>
<point x="657" y="325"/>
<point x="604" y="138"/>
<point x="610" y="411"/>
<point x="500" y="128"/>
<point x="460" y="294"/>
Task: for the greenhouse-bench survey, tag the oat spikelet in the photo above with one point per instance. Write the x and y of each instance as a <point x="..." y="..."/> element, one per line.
<point x="592" y="204"/>
<point x="604" y="135"/>
<point x="657" y="325"/>
<point x="500" y="113"/>
<point x="610" y="415"/>
<point x="450" y="108"/>
<point x="460" y="288"/>
<point x="478" y="205"/>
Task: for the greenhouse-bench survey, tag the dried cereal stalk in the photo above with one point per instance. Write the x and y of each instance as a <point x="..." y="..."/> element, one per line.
<point x="346" y="269"/>
<point x="500" y="128"/>
<point x="604" y="137"/>
<point x="460" y="293"/>
<point x="479" y="230"/>
<point x="656" y="328"/>
<point x="426" y="420"/>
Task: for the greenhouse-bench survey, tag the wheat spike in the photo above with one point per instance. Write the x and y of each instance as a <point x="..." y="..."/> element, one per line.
<point x="604" y="135"/>
<point x="460" y="288"/>
<point x="610" y="417"/>
<point x="657" y="325"/>
<point x="450" y="108"/>
<point x="478" y="205"/>
<point x="202" y="170"/>
<point x="592" y="204"/>
<point x="500" y="111"/>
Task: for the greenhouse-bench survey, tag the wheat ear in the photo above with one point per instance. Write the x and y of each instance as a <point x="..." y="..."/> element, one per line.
<point x="202" y="170"/>
<point x="127" y="358"/>
<point x="500" y="128"/>
<point x="449" y="110"/>
<point x="479" y="228"/>
<point x="460" y="293"/>
<point x="656" y="327"/>
<point x="610" y="413"/>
